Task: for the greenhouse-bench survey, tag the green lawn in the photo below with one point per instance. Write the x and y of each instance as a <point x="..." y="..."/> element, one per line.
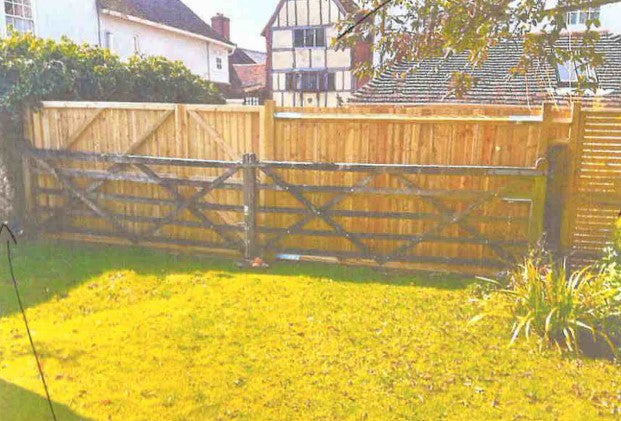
<point x="135" y="334"/>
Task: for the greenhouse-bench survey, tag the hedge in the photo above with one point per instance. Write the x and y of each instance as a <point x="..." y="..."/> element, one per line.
<point x="34" y="70"/>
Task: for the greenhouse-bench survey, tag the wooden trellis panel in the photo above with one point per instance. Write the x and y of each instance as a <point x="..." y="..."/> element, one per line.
<point x="593" y="203"/>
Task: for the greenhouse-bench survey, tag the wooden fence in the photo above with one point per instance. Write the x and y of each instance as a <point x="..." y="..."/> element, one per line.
<point x="454" y="186"/>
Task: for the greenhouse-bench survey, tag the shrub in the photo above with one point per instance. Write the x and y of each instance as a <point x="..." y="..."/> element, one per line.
<point x="617" y="239"/>
<point x="33" y="69"/>
<point x="576" y="311"/>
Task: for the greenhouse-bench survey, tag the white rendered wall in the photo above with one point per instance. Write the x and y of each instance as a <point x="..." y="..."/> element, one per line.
<point x="76" y="19"/>
<point x="197" y="54"/>
<point x="610" y="18"/>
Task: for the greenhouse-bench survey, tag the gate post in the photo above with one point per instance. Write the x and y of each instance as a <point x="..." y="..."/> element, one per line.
<point x="536" y="231"/>
<point x="250" y="206"/>
<point x="573" y="157"/>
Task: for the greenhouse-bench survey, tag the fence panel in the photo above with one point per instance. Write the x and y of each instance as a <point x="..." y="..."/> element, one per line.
<point x="203" y="132"/>
<point x="496" y="214"/>
<point x="594" y="197"/>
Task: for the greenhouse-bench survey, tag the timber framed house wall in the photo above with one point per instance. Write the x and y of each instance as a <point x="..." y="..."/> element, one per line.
<point x="303" y="69"/>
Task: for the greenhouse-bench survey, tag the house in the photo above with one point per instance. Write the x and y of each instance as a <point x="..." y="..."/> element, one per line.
<point x="77" y="19"/>
<point x="246" y="69"/>
<point x="303" y="69"/>
<point x="147" y="27"/>
<point x="430" y="81"/>
<point x="167" y="28"/>
<point x="609" y="16"/>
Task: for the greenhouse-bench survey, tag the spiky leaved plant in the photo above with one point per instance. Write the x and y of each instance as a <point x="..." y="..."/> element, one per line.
<point x="560" y="307"/>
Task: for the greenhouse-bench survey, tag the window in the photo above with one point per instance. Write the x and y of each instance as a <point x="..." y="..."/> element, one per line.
<point x="109" y="40"/>
<point x="310" y="82"/>
<point x="219" y="63"/>
<point x="314" y="37"/>
<point x="580" y="17"/>
<point x="137" y="44"/>
<point x="19" y="15"/>
<point x="569" y="74"/>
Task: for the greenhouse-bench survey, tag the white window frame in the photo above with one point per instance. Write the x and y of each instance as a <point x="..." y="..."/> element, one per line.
<point x="219" y="63"/>
<point x="310" y="37"/>
<point x="12" y="16"/>
<point x="579" y="18"/>
<point x="569" y="73"/>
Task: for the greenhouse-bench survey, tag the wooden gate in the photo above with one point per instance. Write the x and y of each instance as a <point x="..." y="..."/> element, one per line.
<point x="457" y="218"/>
<point x="594" y="190"/>
<point x="467" y="219"/>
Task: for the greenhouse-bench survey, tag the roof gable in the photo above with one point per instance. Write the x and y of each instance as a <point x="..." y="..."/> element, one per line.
<point x="173" y="13"/>
<point x="346" y="6"/>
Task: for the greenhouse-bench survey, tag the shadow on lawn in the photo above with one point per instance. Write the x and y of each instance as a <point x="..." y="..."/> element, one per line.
<point x="45" y="270"/>
<point x="18" y="404"/>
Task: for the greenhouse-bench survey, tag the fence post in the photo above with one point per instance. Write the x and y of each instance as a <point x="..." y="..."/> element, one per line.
<point x="569" y="210"/>
<point x="250" y="206"/>
<point x="537" y="218"/>
<point x="266" y="138"/>
<point x="557" y="176"/>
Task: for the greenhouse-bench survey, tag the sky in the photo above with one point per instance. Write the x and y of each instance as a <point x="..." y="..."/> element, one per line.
<point x="248" y="18"/>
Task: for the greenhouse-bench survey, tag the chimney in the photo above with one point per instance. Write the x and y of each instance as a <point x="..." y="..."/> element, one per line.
<point x="222" y="25"/>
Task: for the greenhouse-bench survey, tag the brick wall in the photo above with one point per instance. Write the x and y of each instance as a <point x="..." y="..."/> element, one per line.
<point x="363" y="53"/>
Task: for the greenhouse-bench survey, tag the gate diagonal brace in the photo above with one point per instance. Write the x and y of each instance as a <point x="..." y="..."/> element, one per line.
<point x="191" y="207"/>
<point x="451" y="218"/>
<point x="320" y="213"/>
<point x="439" y="205"/>
<point x="192" y="201"/>
<point x="83" y="197"/>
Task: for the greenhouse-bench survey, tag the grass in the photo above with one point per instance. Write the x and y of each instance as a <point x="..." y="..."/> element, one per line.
<point x="135" y="334"/>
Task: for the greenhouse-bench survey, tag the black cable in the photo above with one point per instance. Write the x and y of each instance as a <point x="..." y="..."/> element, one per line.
<point x="32" y="345"/>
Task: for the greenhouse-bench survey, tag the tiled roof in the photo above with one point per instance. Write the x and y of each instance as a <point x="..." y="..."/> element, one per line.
<point x="172" y="13"/>
<point x="251" y="76"/>
<point x="258" y="57"/>
<point x="430" y="80"/>
<point x="246" y="79"/>
<point x="243" y="56"/>
<point x="247" y="70"/>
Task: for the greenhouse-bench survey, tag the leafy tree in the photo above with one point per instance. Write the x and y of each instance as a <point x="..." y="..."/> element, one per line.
<point x="414" y="30"/>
